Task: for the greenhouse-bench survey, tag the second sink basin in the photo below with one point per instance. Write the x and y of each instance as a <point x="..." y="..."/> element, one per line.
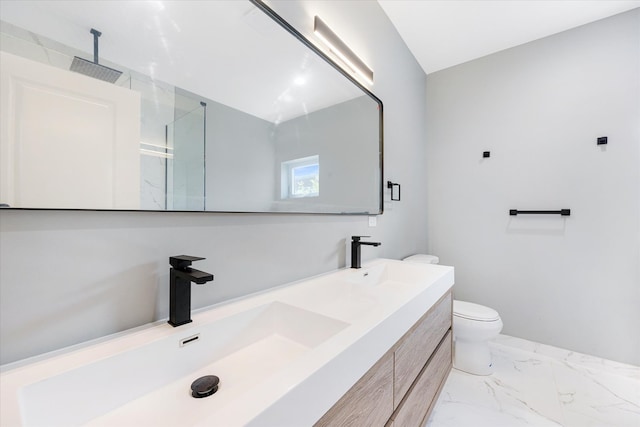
<point x="392" y="275"/>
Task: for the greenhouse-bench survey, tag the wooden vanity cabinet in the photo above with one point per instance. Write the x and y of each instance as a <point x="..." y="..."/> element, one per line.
<point x="402" y="387"/>
<point x="419" y="401"/>
<point x="369" y="402"/>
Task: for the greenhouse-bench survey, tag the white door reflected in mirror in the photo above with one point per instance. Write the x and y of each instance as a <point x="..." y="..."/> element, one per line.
<point x="83" y="154"/>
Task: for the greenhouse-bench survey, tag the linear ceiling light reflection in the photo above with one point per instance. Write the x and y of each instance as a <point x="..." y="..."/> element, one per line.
<point x="338" y="47"/>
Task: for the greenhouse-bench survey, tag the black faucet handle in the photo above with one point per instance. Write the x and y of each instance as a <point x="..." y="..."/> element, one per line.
<point x="357" y="238"/>
<point x="180" y="262"/>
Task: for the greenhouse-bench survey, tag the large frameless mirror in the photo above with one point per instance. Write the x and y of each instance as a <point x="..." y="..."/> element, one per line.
<point x="179" y="105"/>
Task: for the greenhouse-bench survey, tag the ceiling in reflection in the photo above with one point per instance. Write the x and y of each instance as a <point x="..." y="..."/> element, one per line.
<point x="188" y="44"/>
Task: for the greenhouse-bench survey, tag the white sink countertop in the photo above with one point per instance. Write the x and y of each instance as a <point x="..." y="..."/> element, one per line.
<point x="283" y="356"/>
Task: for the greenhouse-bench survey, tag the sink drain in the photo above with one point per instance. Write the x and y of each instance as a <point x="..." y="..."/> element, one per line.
<point x="204" y="386"/>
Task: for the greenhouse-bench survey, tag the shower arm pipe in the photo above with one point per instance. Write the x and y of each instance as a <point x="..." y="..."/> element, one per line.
<point x="563" y="212"/>
<point x="96" y="34"/>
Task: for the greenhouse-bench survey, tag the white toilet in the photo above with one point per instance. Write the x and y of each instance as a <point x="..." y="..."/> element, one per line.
<point x="474" y="326"/>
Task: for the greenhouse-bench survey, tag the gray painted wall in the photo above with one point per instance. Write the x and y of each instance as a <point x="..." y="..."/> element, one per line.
<point x="240" y="160"/>
<point x="345" y="137"/>
<point x="572" y="282"/>
<point x="66" y="277"/>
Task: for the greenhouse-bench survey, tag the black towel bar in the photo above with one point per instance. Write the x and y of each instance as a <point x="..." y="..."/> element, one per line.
<point x="563" y="212"/>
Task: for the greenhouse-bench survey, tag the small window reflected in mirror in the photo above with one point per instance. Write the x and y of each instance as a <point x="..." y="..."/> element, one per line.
<point x="301" y="177"/>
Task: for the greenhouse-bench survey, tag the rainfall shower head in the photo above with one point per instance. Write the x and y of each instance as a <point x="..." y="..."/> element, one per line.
<point x="93" y="69"/>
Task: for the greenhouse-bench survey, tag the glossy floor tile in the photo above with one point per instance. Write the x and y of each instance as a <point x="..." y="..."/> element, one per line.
<point x="539" y="385"/>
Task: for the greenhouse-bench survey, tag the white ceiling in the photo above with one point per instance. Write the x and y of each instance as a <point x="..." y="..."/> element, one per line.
<point x="442" y="34"/>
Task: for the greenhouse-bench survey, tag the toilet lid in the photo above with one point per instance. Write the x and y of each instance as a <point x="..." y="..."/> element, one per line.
<point x="469" y="310"/>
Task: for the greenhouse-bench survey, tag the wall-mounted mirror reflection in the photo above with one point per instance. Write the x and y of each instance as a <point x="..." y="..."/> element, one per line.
<point x="215" y="107"/>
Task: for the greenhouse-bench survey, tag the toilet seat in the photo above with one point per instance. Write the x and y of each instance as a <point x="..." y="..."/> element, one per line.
<point x="477" y="312"/>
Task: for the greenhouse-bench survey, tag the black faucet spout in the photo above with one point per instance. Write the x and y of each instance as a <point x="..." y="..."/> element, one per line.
<point x="181" y="276"/>
<point x="192" y="275"/>
<point x="356" y="244"/>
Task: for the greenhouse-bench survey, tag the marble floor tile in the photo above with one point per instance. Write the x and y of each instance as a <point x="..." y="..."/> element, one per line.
<point x="539" y="385"/>
<point x="591" y="398"/>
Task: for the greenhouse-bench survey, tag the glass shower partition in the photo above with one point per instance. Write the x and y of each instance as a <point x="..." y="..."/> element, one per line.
<point x="186" y="168"/>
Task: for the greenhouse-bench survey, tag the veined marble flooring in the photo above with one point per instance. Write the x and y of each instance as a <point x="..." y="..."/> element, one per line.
<point x="539" y="385"/>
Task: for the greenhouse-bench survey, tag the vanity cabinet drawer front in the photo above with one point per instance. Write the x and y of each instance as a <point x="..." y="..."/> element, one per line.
<point x="415" y="348"/>
<point x="369" y="402"/>
<point x="422" y="395"/>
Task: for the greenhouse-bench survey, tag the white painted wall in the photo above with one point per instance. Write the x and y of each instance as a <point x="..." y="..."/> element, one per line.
<point x="572" y="282"/>
<point x="66" y="276"/>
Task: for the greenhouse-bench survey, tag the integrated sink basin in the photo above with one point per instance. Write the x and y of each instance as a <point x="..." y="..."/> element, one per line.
<point x="284" y="354"/>
<point x="243" y="350"/>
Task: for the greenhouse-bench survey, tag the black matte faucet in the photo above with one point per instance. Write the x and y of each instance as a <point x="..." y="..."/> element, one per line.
<point x="181" y="276"/>
<point x="355" y="249"/>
